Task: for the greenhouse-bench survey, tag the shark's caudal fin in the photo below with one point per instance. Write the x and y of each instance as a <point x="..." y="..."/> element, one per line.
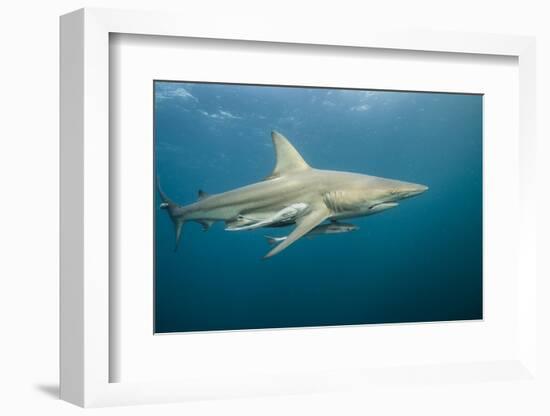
<point x="287" y="157"/>
<point x="172" y="209"/>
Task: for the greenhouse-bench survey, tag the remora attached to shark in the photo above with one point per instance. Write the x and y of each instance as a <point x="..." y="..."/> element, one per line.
<point x="321" y="195"/>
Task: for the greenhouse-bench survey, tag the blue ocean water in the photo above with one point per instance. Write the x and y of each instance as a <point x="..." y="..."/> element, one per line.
<point x="421" y="261"/>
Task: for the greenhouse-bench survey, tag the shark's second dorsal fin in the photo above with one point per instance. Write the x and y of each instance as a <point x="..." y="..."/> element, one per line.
<point x="287" y="157"/>
<point x="202" y="194"/>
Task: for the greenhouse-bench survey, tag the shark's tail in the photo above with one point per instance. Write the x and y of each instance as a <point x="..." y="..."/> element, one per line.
<point x="174" y="210"/>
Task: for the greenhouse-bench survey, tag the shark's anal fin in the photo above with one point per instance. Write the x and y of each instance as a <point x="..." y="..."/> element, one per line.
<point x="304" y="225"/>
<point x="287" y="157"/>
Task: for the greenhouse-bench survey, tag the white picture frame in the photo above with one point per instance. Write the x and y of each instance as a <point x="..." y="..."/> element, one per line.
<point x="85" y="217"/>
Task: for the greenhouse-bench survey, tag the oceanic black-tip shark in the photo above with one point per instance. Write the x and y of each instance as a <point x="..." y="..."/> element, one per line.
<point x="321" y="195"/>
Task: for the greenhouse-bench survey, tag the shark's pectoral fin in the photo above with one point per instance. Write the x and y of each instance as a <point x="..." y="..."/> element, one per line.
<point x="304" y="225"/>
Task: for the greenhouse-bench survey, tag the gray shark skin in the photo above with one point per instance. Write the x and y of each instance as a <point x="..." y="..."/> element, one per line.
<point x="329" y="195"/>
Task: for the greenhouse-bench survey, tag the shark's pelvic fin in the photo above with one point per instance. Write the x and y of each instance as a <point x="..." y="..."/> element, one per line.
<point x="304" y="225"/>
<point x="206" y="224"/>
<point x="287" y="157"/>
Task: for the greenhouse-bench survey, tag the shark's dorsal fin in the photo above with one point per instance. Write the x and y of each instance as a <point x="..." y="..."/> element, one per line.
<point x="287" y="157"/>
<point x="202" y="194"/>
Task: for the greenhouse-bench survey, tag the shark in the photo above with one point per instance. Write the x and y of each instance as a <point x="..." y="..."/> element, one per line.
<point x="322" y="195"/>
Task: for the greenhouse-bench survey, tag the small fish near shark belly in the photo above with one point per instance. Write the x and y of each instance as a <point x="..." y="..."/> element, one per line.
<point x="334" y="227"/>
<point x="287" y="214"/>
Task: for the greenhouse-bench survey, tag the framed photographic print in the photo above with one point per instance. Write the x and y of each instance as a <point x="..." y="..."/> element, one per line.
<point x="423" y="265"/>
<point x="311" y="205"/>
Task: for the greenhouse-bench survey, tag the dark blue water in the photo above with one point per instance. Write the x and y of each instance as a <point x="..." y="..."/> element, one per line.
<point x="421" y="261"/>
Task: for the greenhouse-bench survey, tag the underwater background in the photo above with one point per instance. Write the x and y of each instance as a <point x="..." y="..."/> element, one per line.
<point x="420" y="261"/>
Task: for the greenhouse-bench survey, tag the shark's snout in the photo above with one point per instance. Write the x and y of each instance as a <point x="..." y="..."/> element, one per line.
<point x="421" y="188"/>
<point x="416" y="189"/>
<point x="409" y="189"/>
